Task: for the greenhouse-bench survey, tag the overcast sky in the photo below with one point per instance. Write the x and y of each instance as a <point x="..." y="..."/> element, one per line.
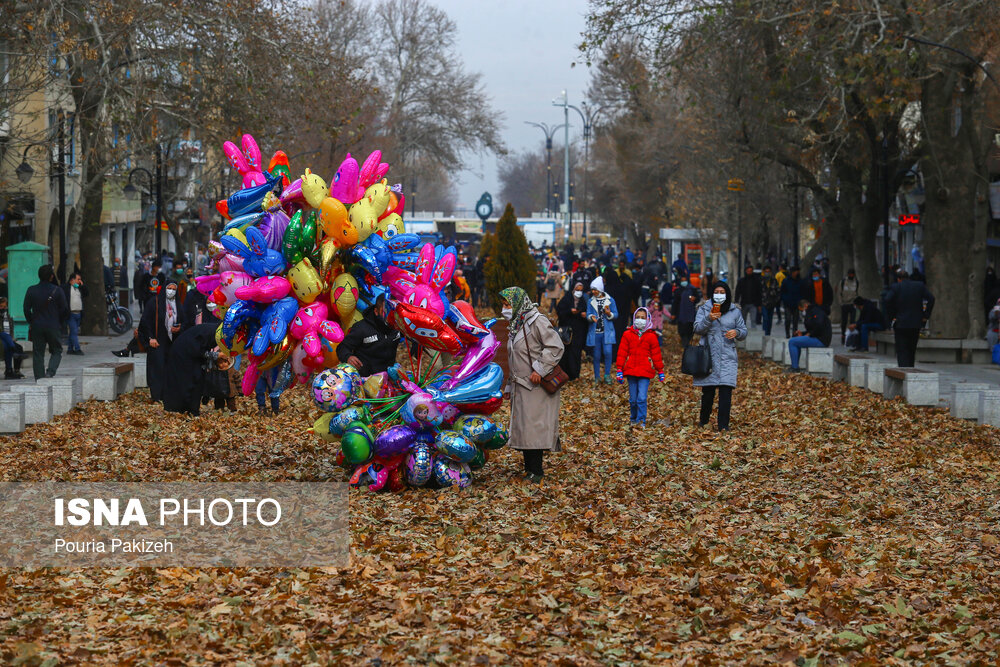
<point x="524" y="50"/>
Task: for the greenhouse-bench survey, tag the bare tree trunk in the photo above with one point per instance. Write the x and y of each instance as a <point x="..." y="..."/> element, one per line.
<point x="953" y="232"/>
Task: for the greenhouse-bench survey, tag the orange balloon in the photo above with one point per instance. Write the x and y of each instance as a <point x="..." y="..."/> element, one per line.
<point x="393" y="203"/>
<point x="333" y="217"/>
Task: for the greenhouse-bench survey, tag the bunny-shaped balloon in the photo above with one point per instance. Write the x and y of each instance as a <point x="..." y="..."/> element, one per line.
<point x="372" y="170"/>
<point x="423" y="289"/>
<point x="265" y="290"/>
<point x="274" y="324"/>
<point x="247" y="161"/>
<point x="222" y="286"/>
<point x="310" y="324"/>
<point x="258" y="259"/>
<point x="236" y="315"/>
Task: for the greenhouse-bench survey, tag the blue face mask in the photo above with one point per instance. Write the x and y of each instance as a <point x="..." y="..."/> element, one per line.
<point x="815" y="278"/>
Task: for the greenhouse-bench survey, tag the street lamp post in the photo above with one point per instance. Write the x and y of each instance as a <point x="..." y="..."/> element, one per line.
<point x="565" y="105"/>
<point x="25" y="172"/>
<point x="549" y="133"/>
<point x="587" y="116"/>
<point x="131" y="192"/>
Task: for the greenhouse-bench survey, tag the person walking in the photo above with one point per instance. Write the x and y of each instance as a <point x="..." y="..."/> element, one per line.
<point x="572" y="312"/>
<point x="749" y="295"/>
<point x="75" y="292"/>
<point x="602" y="311"/>
<point x="770" y="294"/>
<point x="45" y="309"/>
<point x="639" y="359"/>
<point x="908" y="307"/>
<point x="791" y="294"/>
<point x="847" y="291"/>
<point x="818" y="332"/>
<point x="720" y="325"/>
<point x="684" y="310"/>
<point x="158" y="327"/>
<point x="553" y="287"/>
<point x="533" y="350"/>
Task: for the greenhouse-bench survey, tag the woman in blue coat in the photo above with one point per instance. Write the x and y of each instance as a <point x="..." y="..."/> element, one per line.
<point x="601" y="313"/>
<point x="719" y="327"/>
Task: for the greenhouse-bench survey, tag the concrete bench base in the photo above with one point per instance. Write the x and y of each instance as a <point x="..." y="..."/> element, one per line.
<point x="38" y="407"/>
<point x="105" y="382"/>
<point x="850" y="368"/>
<point x="875" y="374"/>
<point x="66" y="392"/>
<point x="965" y="400"/>
<point x="918" y="387"/>
<point x="989" y="407"/>
<point x="754" y="341"/>
<point x="12" y="412"/>
<point x="818" y="360"/>
<point x="139" y="360"/>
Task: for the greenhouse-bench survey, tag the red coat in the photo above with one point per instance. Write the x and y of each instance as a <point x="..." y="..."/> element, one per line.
<point x="639" y="356"/>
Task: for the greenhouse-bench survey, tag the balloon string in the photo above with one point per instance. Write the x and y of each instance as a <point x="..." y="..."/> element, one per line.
<point x="437" y="355"/>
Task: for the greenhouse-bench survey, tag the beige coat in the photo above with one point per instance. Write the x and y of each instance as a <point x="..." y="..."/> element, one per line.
<point x="534" y="413"/>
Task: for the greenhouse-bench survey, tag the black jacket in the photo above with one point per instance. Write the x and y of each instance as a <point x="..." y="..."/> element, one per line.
<point x="194" y="304"/>
<point x="682" y="308"/>
<point x="809" y="293"/>
<point x="817" y="325"/>
<point x="577" y="322"/>
<point x="909" y="303"/>
<point x="372" y="341"/>
<point x="870" y="314"/>
<point x="749" y="291"/>
<point x="45" y="305"/>
<point x="152" y="324"/>
<point x="84" y="292"/>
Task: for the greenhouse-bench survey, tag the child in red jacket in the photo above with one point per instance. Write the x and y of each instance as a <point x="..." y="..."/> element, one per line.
<point x="639" y="359"/>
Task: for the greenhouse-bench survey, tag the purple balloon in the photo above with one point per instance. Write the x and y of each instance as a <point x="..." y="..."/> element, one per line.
<point x="273" y="226"/>
<point x="394" y="441"/>
<point x="476" y="359"/>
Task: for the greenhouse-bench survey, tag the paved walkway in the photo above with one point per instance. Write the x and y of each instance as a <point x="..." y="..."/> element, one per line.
<point x="949" y="374"/>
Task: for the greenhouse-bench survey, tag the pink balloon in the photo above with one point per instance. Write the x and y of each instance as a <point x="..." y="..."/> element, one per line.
<point x="345" y="187"/>
<point x="476" y="359"/>
<point x="265" y="290"/>
<point x="229" y="282"/>
<point x="309" y="326"/>
<point x="299" y="368"/>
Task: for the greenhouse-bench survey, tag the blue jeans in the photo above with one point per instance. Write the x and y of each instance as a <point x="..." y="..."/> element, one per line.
<point x="602" y="350"/>
<point x="638" y="387"/>
<point x="8" y="351"/>
<point x="796" y="344"/>
<point x="262" y="390"/>
<point x="865" y="329"/>
<point x="74" y="332"/>
<point x="768" y="319"/>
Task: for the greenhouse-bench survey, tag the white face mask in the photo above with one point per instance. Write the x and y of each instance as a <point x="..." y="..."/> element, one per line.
<point x="171" y="293"/>
<point x="507" y="313"/>
<point x="577" y="294"/>
<point x="640" y="324"/>
<point x="719" y="298"/>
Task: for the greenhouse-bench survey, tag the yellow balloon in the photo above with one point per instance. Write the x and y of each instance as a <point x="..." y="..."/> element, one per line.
<point x="379" y="195"/>
<point x="219" y="341"/>
<point x="333" y="216"/>
<point x="344" y="294"/>
<point x="327" y="257"/>
<point x="238" y="235"/>
<point x="329" y="354"/>
<point x="277" y="354"/>
<point x="305" y="281"/>
<point x="349" y="320"/>
<point x="314" y="189"/>
<point x="390" y="225"/>
<point x="364" y="219"/>
<point x="321" y="427"/>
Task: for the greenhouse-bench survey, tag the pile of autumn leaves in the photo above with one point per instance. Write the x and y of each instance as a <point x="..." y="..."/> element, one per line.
<point x="830" y="526"/>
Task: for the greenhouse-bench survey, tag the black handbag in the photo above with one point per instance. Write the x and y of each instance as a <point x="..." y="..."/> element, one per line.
<point x="697" y="361"/>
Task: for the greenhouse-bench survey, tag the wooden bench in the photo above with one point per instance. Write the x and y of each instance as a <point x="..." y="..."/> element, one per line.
<point x="850" y="368"/>
<point x="918" y="387"/>
<point x="108" y="380"/>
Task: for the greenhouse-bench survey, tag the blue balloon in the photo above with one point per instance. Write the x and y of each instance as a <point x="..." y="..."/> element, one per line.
<point x="476" y="390"/>
<point x="244" y="221"/>
<point x="247" y="199"/>
<point x="274" y="323"/>
<point x="236" y="315"/>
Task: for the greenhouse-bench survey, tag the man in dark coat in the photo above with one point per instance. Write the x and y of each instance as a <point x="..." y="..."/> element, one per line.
<point x="617" y="290"/>
<point x="749" y="294"/>
<point x="158" y="327"/>
<point x="908" y="307"/>
<point x="684" y="308"/>
<point x="572" y="312"/>
<point x="869" y="319"/>
<point x="818" y="291"/>
<point x="818" y="331"/>
<point x="791" y="294"/>
<point x="370" y="345"/>
<point x="184" y="375"/>
<point x="45" y="309"/>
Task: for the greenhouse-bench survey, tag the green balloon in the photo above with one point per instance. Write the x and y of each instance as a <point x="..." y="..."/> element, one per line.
<point x="478" y="461"/>
<point x="356" y="443"/>
<point x="498" y="440"/>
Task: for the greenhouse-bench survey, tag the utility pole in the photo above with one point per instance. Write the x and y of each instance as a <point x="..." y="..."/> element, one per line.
<point x="565" y="202"/>
<point x="549" y="133"/>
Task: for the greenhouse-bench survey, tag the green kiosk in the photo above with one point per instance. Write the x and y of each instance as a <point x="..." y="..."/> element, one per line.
<point x="23" y="260"/>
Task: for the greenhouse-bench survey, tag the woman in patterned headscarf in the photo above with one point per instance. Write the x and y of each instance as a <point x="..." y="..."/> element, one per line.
<point x="534" y="349"/>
